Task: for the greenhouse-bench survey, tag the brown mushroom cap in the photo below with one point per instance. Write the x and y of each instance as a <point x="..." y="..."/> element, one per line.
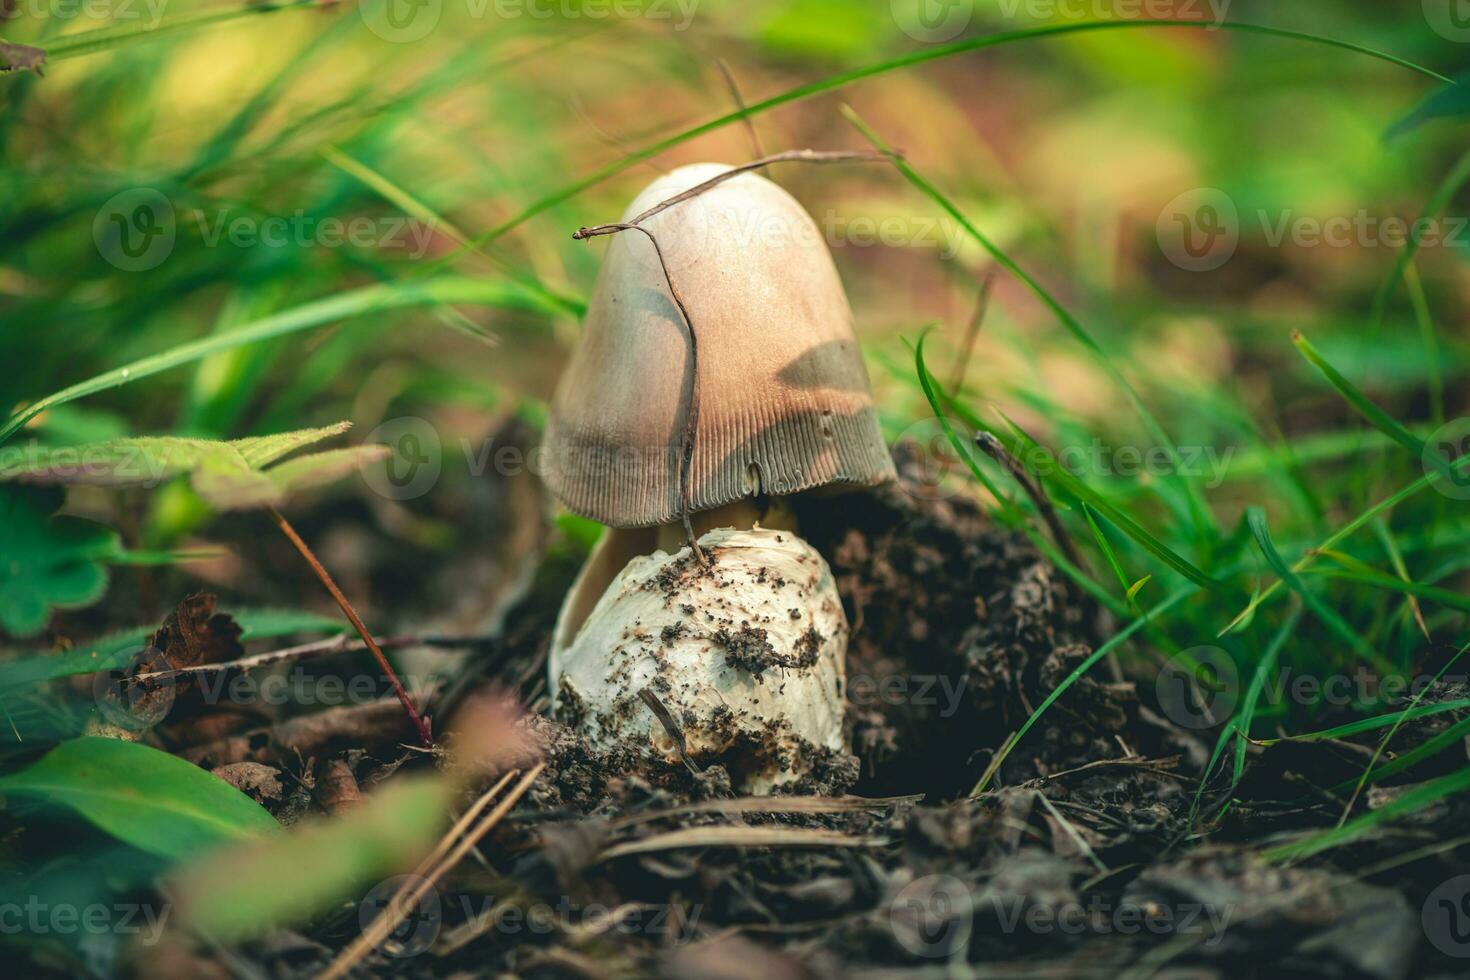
<point x="785" y="404"/>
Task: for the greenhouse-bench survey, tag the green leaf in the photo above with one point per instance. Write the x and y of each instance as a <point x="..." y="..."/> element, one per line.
<point x="1009" y="510"/>
<point x="1029" y="450"/>
<point x="227" y="475"/>
<point x="1243" y="618"/>
<point x="155" y="801"/>
<point x="47" y="562"/>
<point x="1441" y="198"/>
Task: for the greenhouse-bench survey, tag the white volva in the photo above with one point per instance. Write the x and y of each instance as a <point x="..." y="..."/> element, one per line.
<point x="697" y="638"/>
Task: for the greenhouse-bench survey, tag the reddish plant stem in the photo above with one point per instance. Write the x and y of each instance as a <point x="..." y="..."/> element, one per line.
<point x="419" y="723"/>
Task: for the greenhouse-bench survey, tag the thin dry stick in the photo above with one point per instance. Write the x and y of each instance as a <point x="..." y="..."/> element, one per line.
<point x="406" y="900"/>
<point x="305" y="651"/>
<point x="982" y="306"/>
<point x="788" y="156"/>
<point x="417" y="719"/>
<point x="998" y="452"/>
<point x="666" y="719"/>
<point x="755" y="140"/>
<point x="460" y="825"/>
<point x="691" y="413"/>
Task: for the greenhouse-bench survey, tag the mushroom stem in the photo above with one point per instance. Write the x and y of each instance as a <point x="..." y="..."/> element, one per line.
<point x="772" y="514"/>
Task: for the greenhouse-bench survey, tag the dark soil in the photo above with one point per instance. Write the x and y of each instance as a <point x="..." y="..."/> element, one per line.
<point x="1084" y="857"/>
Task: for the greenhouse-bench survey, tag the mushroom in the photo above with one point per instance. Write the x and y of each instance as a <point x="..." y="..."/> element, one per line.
<point x="736" y="658"/>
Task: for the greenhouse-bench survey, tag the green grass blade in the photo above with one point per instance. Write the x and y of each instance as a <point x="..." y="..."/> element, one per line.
<point x="1412" y="801"/>
<point x="106" y="38"/>
<point x="1347" y="530"/>
<point x="1106" y="547"/>
<point x="1253" y="693"/>
<point x="368" y="299"/>
<point x="1376" y="416"/>
<point x="1199" y="511"/>
<point x="937" y="402"/>
<point x="1443" y="194"/>
<point x="1376" y="722"/>
<point x="1452" y="737"/>
<point x="1076" y="675"/>
<point x="1026" y="448"/>
<point x="1383" y="744"/>
<point x="1256" y="518"/>
<point x="834" y="82"/>
<point x="1239" y="728"/>
<point x="1430" y="339"/>
<point x="1388" y="583"/>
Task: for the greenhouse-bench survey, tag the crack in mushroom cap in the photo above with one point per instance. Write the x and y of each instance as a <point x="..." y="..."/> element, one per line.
<point x="785" y="404"/>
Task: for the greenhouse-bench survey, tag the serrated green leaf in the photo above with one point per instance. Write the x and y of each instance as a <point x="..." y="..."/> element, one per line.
<point x="152" y="800"/>
<point x="260" y="451"/>
<point x="47" y="562"/>
<point x="316" y="469"/>
<point x="227" y="475"/>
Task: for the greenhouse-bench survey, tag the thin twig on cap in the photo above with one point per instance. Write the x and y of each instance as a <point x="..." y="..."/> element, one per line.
<point x="691" y="413"/>
<point x="787" y="156"/>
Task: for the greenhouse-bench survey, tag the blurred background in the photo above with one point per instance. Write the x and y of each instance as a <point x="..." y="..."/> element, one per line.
<point x="1191" y="195"/>
<point x="392" y="187"/>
